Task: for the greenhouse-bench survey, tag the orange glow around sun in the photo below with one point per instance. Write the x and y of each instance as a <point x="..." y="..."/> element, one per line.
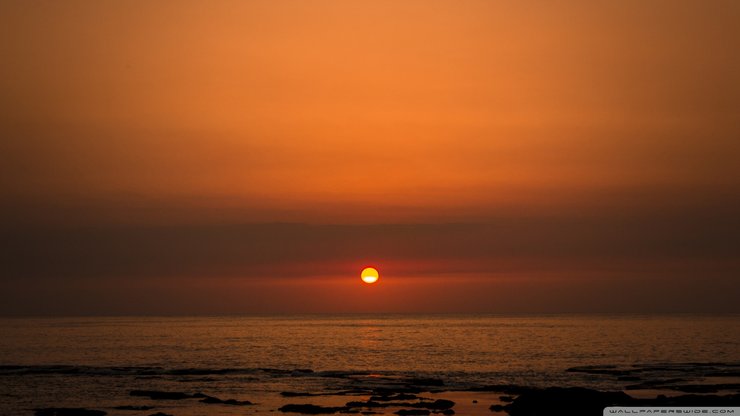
<point x="369" y="275"/>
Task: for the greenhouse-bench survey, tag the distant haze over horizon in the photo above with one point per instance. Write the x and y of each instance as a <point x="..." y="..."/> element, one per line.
<point x="254" y="157"/>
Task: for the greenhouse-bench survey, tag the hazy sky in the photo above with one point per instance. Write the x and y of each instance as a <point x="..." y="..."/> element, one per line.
<point x="252" y="156"/>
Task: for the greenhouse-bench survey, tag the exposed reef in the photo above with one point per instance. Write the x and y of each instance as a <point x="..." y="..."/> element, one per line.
<point x="68" y="411"/>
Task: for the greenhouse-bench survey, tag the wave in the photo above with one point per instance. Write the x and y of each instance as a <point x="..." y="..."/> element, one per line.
<point x="140" y="370"/>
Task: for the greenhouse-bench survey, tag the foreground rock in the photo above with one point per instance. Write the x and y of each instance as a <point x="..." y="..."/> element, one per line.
<point x="165" y="395"/>
<point x="136" y="408"/>
<point x="68" y="411"/>
<point x="683" y="377"/>
<point x="232" y="402"/>
<point x="691" y="400"/>
<point x="419" y="408"/>
<point x="685" y="388"/>
<point x="573" y="401"/>
<point x="177" y="395"/>
<point x="312" y="409"/>
<point x="578" y="401"/>
<point x="332" y="393"/>
<point x="298" y="394"/>
<point x="439" y="404"/>
<point x="392" y="397"/>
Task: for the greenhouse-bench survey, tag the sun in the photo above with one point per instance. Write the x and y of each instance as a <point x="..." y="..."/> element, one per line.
<point x="369" y="275"/>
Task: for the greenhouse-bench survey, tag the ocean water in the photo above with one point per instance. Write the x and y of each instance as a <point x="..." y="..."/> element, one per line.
<point x="96" y="362"/>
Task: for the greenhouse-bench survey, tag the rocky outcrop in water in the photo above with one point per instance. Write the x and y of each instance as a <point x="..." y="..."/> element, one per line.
<point x="164" y="395"/>
<point x="68" y="411"/>
<point x="574" y="401"/>
<point x="232" y="402"/>
<point x="134" y="408"/>
<point x="413" y="412"/>
<point x="311" y="409"/>
<point x="578" y="401"/>
<point x="177" y="395"/>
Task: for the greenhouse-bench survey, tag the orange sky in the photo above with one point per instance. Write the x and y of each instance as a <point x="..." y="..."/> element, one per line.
<point x="599" y="136"/>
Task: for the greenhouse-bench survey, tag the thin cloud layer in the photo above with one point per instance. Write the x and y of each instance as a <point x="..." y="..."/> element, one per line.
<point x="204" y="151"/>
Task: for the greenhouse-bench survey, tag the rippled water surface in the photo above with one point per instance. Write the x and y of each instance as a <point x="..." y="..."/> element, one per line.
<point x="95" y="362"/>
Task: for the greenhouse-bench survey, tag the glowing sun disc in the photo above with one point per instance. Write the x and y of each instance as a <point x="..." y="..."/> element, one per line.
<point x="369" y="275"/>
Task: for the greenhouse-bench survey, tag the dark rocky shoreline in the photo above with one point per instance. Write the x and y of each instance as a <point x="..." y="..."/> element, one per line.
<point x="685" y="384"/>
<point x="575" y="401"/>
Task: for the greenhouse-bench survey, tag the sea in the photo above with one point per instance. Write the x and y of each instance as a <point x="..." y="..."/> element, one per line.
<point x="271" y="361"/>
